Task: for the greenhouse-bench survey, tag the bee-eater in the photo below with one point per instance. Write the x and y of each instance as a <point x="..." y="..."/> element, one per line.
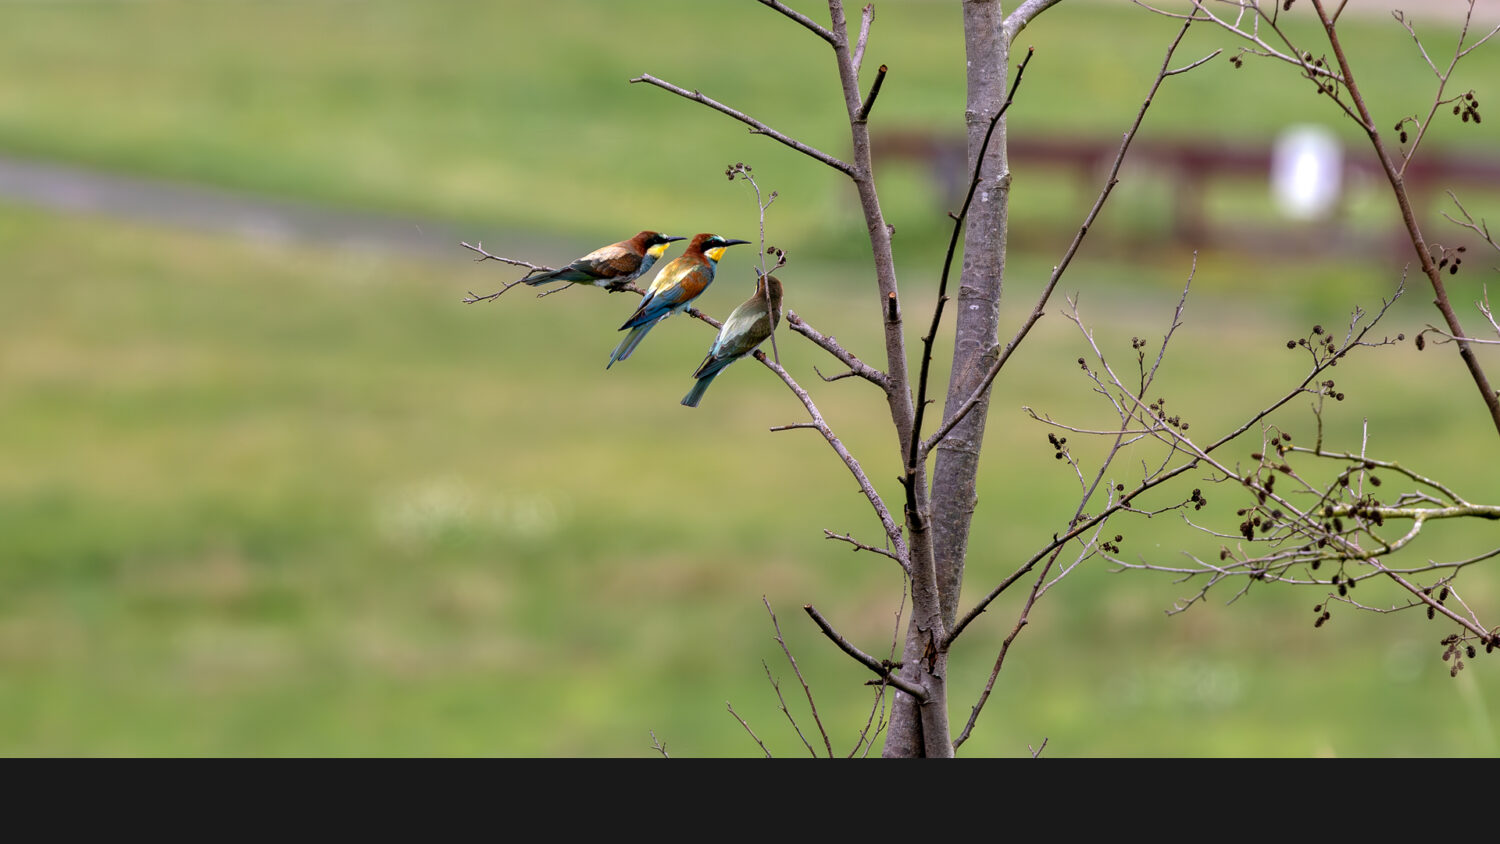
<point x="613" y="266"/>
<point x="680" y="282"/>
<point x="747" y="327"/>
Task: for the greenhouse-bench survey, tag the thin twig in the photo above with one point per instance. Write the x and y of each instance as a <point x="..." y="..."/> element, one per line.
<point x="1480" y="227"/>
<point x="748" y="730"/>
<point x="1021" y="621"/>
<point x="776" y="687"/>
<point x="1041" y="585"/>
<point x="806" y="690"/>
<point x="532" y="269"/>
<point x="1199" y="454"/>
<point x="859" y="546"/>
<point x="830" y="345"/>
<point x="892" y="530"/>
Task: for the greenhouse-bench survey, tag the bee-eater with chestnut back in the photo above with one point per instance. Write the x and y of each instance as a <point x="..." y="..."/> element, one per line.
<point x="614" y="266"/>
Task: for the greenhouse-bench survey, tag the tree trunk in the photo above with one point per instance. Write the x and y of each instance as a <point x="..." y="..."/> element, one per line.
<point x="953" y="490"/>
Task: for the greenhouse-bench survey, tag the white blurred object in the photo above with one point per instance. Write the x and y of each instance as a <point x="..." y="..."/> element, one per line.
<point x="1306" y="168"/>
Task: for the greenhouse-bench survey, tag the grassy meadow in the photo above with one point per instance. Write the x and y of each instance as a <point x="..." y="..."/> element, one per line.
<point x="265" y="498"/>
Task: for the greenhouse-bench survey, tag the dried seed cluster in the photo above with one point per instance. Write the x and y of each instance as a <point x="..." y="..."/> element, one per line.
<point x="1058" y="445"/>
<point x="1467" y="108"/>
<point x="1159" y="410"/>
<point x="1457" y="648"/>
<point x="1401" y="126"/>
<point x="1323" y="616"/>
<point x="1451" y="259"/>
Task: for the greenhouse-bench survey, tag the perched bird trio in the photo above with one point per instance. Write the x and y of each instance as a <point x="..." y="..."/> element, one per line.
<point x="681" y="281"/>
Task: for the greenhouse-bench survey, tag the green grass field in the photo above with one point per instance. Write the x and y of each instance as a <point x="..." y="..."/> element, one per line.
<point x="266" y="499"/>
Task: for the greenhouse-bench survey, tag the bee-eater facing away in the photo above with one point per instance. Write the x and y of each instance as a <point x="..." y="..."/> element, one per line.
<point x="680" y="282"/>
<point x="747" y="327"/>
<point x="613" y="266"/>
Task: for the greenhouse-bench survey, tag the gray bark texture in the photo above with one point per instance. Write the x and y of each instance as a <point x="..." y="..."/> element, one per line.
<point x="944" y="521"/>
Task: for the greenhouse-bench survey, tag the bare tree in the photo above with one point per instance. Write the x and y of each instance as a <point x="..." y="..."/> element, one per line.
<point x="1289" y="532"/>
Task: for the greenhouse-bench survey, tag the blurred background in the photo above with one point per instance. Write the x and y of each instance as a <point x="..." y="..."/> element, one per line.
<point x="268" y="487"/>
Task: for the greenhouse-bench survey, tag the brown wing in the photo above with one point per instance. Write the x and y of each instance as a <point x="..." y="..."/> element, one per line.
<point x="609" y="262"/>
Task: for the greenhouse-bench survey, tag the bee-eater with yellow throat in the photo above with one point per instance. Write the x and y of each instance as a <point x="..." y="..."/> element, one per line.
<point x="680" y="282"/>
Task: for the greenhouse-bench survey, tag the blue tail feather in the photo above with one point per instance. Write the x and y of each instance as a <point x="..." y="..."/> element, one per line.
<point x="695" y="395"/>
<point x="628" y="345"/>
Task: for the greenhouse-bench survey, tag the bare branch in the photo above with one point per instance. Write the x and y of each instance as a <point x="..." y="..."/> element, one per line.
<point x="1189" y="66"/>
<point x="866" y="17"/>
<point x="830" y="345"/>
<point x="756" y="126"/>
<point x="1424" y="595"/>
<point x="892" y="530"/>
<point x="1481" y="381"/>
<point x="1024" y="14"/>
<point x="1197" y="455"/>
<point x="829" y="379"/>
<point x="864" y="110"/>
<point x="1015" y="631"/>
<point x="885" y="668"/>
<point x="1445" y="337"/>
<point x="811" y="25"/>
<point x="748" y="730"/>
<point x="866" y="738"/>
<point x="777" y="687"/>
<point x="859" y="546"/>
<point x="486" y="256"/>
<point x="1480" y="227"/>
<point x="1041" y="585"/>
<point x="805" y="689"/>
<point x="1442" y="75"/>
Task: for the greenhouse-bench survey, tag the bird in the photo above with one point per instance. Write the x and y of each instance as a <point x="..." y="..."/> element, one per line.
<point x="681" y="281"/>
<point x="614" y="266"/>
<point x="747" y="327"/>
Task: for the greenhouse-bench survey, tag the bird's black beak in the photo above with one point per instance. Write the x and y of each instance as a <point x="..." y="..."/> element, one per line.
<point x="734" y="242"/>
<point x="667" y="239"/>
